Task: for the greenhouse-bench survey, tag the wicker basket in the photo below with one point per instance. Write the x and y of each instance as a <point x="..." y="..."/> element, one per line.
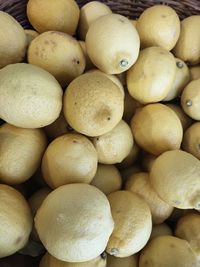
<point x="129" y="8"/>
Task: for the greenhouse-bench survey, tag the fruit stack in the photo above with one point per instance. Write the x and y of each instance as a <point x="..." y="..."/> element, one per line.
<point x="99" y="137"/>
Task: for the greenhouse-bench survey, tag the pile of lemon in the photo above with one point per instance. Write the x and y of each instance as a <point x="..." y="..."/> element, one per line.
<point x="107" y="125"/>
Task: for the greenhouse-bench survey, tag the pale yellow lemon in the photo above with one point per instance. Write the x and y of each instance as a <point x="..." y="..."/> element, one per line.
<point x="70" y="158"/>
<point x="175" y="177"/>
<point x="79" y="230"/>
<point x="156" y="129"/>
<point x="30" y="96"/>
<point x="93" y="104"/>
<point x="89" y="13"/>
<point x="58" y="53"/>
<point x="112" y="43"/>
<point x="188" y="46"/>
<point x="21" y="152"/>
<point x="158" y="25"/>
<point x="115" y="145"/>
<point x="151" y="78"/>
<point x="139" y="183"/>
<point x="107" y="179"/>
<point x="190" y="99"/>
<point x="133" y="224"/>
<point x="47" y="15"/>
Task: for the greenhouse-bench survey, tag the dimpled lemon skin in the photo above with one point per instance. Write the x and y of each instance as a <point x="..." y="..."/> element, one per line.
<point x="78" y="229"/>
<point x="30" y="96"/>
<point x="93" y="104"/>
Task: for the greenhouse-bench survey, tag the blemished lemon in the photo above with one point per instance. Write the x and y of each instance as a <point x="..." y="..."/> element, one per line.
<point x="115" y="145"/>
<point x="151" y="78"/>
<point x="188" y="228"/>
<point x="188" y="46"/>
<point x="139" y="183"/>
<point x="160" y="230"/>
<point x="131" y="261"/>
<point x="21" y="152"/>
<point x="16" y="221"/>
<point x="133" y="224"/>
<point x="112" y="43"/>
<point x="191" y="140"/>
<point x="60" y="16"/>
<point x="93" y="104"/>
<point x="175" y="177"/>
<point x="182" y="78"/>
<point x="107" y="178"/>
<point x="79" y="230"/>
<point x="156" y="129"/>
<point x="58" y="53"/>
<point x="186" y="121"/>
<point x="165" y="251"/>
<point x="158" y="25"/>
<point x="88" y="14"/>
<point x="50" y="261"/>
<point x="37" y="101"/>
<point x="190" y="99"/>
<point x="13" y="40"/>
<point x="70" y="158"/>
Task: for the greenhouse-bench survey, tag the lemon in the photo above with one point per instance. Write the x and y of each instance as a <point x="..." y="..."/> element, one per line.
<point x="156" y="129"/>
<point x="151" y="78"/>
<point x="79" y="230"/>
<point x="133" y="224"/>
<point x="159" y="25"/>
<point x="175" y="177"/>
